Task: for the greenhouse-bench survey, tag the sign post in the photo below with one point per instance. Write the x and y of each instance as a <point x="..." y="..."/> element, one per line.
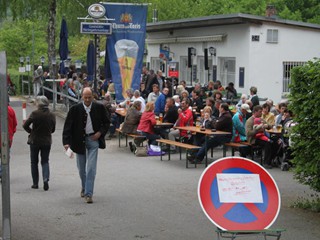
<point x="5" y="157"/>
<point x="97" y="27"/>
<point x="238" y="194"/>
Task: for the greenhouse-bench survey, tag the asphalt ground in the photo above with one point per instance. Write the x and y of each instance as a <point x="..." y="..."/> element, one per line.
<point x="134" y="198"/>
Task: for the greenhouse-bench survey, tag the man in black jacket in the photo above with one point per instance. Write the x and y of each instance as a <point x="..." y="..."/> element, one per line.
<point x="84" y="130"/>
<point x="223" y="123"/>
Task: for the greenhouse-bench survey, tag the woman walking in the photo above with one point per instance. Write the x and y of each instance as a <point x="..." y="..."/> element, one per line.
<point x="40" y="140"/>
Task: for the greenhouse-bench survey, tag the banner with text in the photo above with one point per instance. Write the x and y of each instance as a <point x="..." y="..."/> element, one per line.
<point x="126" y="45"/>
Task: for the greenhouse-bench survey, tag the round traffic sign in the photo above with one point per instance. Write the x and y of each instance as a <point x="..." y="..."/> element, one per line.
<point x="238" y="194"/>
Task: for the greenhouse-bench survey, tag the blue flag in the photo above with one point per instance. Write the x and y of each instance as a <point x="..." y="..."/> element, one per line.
<point x="126" y="45"/>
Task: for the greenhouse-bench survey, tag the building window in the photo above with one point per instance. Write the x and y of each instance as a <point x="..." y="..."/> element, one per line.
<point x="272" y="36"/>
<point x="287" y="66"/>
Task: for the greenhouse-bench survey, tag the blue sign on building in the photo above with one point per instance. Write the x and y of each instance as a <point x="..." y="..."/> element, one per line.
<point x="96" y="28"/>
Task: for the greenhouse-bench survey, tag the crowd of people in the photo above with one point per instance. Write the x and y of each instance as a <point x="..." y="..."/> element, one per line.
<point x="211" y="107"/>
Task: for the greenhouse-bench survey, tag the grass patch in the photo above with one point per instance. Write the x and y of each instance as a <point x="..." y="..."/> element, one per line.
<point x="310" y="202"/>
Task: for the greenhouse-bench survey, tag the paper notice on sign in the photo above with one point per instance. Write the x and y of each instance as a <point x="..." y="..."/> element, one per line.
<point x="239" y="188"/>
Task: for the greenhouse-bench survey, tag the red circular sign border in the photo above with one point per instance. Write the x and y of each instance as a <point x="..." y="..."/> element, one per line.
<point x="209" y="174"/>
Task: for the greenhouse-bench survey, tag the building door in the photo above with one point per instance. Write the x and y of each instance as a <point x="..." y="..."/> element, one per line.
<point x="227" y="70"/>
<point x="185" y="72"/>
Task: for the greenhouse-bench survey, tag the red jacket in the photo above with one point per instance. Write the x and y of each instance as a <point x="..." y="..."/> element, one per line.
<point x="185" y="119"/>
<point x="12" y="124"/>
<point x="147" y="122"/>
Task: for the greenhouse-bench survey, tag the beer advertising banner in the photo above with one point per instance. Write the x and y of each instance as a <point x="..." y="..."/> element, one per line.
<point x="126" y="45"/>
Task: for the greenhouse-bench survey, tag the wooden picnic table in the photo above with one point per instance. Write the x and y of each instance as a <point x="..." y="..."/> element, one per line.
<point x="206" y="132"/>
<point x="121" y="111"/>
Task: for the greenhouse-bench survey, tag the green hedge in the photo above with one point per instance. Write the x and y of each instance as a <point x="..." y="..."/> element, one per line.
<point x="305" y="103"/>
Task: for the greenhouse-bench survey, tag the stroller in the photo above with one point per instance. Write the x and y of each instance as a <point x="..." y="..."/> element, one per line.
<point x="284" y="152"/>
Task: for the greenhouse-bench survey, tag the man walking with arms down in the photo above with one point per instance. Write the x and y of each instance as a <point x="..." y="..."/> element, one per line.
<point x="84" y="130"/>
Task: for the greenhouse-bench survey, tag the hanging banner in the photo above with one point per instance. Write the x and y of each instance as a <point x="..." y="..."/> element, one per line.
<point x="126" y="45"/>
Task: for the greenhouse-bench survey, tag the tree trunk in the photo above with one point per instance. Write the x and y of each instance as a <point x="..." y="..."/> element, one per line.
<point x="52" y="37"/>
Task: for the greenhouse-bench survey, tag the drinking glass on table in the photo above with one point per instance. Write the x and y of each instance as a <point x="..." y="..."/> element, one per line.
<point x="160" y="117"/>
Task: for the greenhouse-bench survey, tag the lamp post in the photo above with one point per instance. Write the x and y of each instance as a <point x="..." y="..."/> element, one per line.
<point x="28" y="68"/>
<point x="42" y="59"/>
<point x="213" y="53"/>
<point x="21" y="59"/>
<point x="78" y="66"/>
<point x="54" y="86"/>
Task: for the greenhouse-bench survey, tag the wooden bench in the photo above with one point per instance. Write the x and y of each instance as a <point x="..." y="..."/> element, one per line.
<point x="179" y="145"/>
<point x="236" y="146"/>
<point x="222" y="234"/>
<point x="126" y="135"/>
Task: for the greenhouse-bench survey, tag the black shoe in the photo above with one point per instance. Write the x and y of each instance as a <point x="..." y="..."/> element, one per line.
<point x="46" y="186"/>
<point x="35" y="186"/>
<point x="191" y="158"/>
<point x="89" y="199"/>
<point x="131" y="147"/>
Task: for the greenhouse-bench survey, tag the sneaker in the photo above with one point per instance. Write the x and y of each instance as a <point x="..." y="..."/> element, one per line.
<point x="89" y="199"/>
<point x="35" y="186"/>
<point x="82" y="193"/>
<point x="46" y="186"/>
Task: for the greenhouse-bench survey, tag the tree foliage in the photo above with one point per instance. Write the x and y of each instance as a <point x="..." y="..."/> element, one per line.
<point x="305" y="99"/>
<point x="35" y="16"/>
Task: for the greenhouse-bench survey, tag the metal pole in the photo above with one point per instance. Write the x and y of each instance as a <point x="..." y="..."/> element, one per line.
<point x="95" y="65"/>
<point x="54" y="88"/>
<point x="5" y="157"/>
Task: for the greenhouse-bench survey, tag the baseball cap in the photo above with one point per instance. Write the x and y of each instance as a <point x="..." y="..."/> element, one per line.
<point x="246" y="107"/>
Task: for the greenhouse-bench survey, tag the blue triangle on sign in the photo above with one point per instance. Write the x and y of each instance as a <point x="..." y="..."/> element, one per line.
<point x="240" y="214"/>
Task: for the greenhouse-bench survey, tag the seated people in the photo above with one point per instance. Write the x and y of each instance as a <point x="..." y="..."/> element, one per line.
<point x="161" y="102"/>
<point x="257" y="126"/>
<point x="269" y="147"/>
<point x="185" y="119"/>
<point x="112" y="116"/>
<point x="196" y="100"/>
<point x="254" y="98"/>
<point x="130" y="98"/>
<point x="132" y="118"/>
<point x="184" y="94"/>
<point x="282" y="108"/>
<point x="239" y="124"/>
<point x="171" y="111"/>
<point x="137" y="97"/>
<point x="242" y="100"/>
<point x="205" y="122"/>
<point x="152" y="97"/>
<point x="176" y="99"/>
<point x="239" y="127"/>
<point x="217" y="95"/>
<point x="147" y="123"/>
<point x="223" y="123"/>
<point x="267" y="115"/>
<point x="231" y="91"/>
<point x="210" y="103"/>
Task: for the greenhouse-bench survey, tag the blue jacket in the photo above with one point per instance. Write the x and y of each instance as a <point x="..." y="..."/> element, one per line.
<point x="239" y="127"/>
<point x="160" y="104"/>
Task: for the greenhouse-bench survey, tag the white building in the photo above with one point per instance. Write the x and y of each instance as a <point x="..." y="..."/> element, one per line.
<point x="250" y="50"/>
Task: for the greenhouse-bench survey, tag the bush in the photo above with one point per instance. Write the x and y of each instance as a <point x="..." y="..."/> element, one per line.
<point x="305" y="100"/>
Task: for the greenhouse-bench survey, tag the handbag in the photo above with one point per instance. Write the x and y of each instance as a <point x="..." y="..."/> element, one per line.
<point x="154" y="150"/>
<point x="141" y="151"/>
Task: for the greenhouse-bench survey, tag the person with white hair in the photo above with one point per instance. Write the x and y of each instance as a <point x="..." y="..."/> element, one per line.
<point x="43" y="123"/>
<point x="243" y="99"/>
<point x="38" y="73"/>
<point x="137" y="97"/>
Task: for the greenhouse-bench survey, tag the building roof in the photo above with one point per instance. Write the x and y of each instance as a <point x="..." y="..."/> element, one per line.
<point x="219" y="20"/>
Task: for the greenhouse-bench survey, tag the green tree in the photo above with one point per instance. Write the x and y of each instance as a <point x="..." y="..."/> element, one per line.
<point x="304" y="101"/>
